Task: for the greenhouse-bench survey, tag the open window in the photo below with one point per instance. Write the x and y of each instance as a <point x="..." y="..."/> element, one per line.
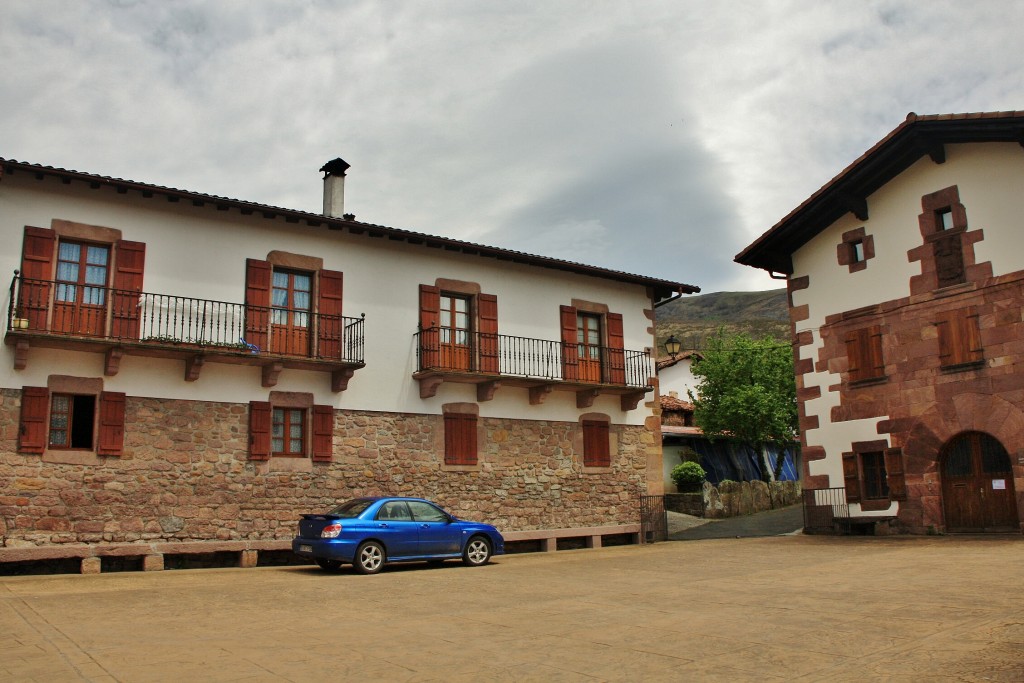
<point x="873" y="475"/>
<point x="71" y="420"/>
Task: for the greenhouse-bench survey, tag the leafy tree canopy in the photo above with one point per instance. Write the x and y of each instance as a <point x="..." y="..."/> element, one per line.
<point x="746" y="390"/>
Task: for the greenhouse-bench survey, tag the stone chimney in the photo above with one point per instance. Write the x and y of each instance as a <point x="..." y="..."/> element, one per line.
<point x="334" y="187"/>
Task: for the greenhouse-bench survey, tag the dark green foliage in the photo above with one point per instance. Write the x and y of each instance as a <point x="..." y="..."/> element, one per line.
<point x="747" y="391"/>
<point x="688" y="473"/>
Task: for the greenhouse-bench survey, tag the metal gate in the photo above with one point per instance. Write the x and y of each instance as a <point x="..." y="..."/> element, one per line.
<point x="653" y="519"/>
<point x="826" y="511"/>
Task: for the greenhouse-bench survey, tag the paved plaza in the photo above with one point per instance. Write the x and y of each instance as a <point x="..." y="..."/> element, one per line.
<point x="779" y="608"/>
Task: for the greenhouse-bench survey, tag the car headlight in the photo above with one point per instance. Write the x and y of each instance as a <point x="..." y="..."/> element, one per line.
<point x="331" y="531"/>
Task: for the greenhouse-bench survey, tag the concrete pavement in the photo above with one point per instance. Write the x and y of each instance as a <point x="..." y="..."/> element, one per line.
<point x="779" y="608"/>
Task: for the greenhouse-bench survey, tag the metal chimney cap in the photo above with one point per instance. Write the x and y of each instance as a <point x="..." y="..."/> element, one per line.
<point x="335" y="167"/>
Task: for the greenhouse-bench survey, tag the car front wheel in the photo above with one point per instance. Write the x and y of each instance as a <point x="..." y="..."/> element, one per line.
<point x="477" y="552"/>
<point x="369" y="558"/>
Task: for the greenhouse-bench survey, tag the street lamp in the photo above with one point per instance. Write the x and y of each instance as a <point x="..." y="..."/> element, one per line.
<point x="673" y="346"/>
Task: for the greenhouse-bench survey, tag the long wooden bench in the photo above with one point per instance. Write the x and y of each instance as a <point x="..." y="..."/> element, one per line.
<point x="153" y="553"/>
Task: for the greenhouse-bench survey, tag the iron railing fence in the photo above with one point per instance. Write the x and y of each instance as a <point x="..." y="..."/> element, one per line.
<point x="439" y="349"/>
<point x="826" y="511"/>
<point x="653" y="519"/>
<point x="58" y="308"/>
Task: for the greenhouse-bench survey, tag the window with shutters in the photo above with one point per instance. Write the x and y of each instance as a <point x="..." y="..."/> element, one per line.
<point x="458" y="329"/>
<point x="289" y="425"/>
<point x="64" y="421"/>
<point x="293" y="306"/>
<point x="865" y="362"/>
<point x="596" y="443"/>
<point x="460" y="439"/>
<point x="873" y="475"/>
<point x="592" y="344"/>
<point x="82" y="280"/>
<point x="959" y="334"/>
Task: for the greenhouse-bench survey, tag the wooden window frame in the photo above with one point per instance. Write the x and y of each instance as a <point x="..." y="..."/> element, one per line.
<point x="69" y="429"/>
<point x="325" y="326"/>
<point x="613" y="361"/>
<point x="36" y="414"/>
<point x="482" y="327"/>
<point x="865" y="355"/>
<point x="959" y="338"/>
<point x="124" y="281"/>
<point x="855" y="480"/>
<point x="460" y="439"/>
<point x="286" y="423"/>
<point x="318" y="427"/>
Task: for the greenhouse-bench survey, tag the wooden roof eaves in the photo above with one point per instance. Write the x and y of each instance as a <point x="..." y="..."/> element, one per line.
<point x="914" y="138"/>
<point x="661" y="289"/>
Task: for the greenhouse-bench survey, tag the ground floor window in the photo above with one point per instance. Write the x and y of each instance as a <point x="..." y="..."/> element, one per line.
<point x="72" y="418"/>
<point x="460" y="439"/>
<point x="875" y="480"/>
<point x="596" y="444"/>
<point x="288" y="432"/>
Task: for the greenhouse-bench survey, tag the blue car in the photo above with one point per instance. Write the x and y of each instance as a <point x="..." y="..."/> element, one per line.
<point x="371" y="532"/>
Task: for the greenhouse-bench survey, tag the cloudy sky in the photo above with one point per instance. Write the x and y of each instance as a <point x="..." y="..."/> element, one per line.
<point x="657" y="137"/>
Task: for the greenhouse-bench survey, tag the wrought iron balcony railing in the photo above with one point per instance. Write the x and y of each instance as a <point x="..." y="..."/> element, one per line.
<point x="60" y="309"/>
<point x="446" y="351"/>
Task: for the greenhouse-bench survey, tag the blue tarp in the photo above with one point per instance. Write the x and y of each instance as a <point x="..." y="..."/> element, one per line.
<point x="738" y="461"/>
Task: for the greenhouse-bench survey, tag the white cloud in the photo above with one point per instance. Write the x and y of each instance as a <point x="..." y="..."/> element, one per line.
<point x="658" y="137"/>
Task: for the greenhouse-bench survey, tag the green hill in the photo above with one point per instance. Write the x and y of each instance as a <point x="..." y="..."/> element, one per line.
<point x="694" y="318"/>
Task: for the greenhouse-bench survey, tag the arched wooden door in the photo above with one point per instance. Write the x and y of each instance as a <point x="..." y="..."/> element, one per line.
<point x="977" y="485"/>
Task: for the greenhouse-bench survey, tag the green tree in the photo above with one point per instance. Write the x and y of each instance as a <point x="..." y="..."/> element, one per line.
<point x="747" y="391"/>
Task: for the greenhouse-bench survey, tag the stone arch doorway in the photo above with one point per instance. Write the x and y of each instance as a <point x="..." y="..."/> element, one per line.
<point x="977" y="485"/>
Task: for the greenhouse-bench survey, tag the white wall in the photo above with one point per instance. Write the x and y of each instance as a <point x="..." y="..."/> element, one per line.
<point x="200" y="252"/>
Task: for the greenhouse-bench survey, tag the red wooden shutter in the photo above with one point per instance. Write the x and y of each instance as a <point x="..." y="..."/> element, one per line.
<point x="973" y="350"/>
<point x="259" y="430"/>
<point x="853" y="354"/>
<point x="460" y="439"/>
<point x="430" y="311"/>
<point x="37" y="267"/>
<point x="596" y="437"/>
<point x="111" y="441"/>
<point x="487" y="307"/>
<point x="945" y="328"/>
<point x="570" y="348"/>
<point x="330" y="326"/>
<point x="894" y="473"/>
<point x="877" y="362"/>
<point x="323" y="433"/>
<point x="851" y="477"/>
<point x="130" y="262"/>
<point x="616" y="354"/>
<point x="257" y="302"/>
<point x="32" y="432"/>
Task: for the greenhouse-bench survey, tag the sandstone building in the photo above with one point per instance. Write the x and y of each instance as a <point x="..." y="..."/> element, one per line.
<point x="906" y="284"/>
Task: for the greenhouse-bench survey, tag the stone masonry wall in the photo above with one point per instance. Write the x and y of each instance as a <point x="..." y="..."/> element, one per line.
<point x="185" y="476"/>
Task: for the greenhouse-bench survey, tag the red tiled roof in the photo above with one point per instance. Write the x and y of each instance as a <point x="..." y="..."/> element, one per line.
<point x="662" y="289"/>
<point x="673" y="403"/>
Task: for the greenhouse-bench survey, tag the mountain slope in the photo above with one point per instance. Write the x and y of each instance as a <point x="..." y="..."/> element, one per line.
<point x="694" y="318"/>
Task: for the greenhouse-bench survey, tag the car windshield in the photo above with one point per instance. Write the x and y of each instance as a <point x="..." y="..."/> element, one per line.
<point x="351" y="508"/>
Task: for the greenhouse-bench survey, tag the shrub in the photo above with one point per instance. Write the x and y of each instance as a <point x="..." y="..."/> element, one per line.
<point x="688" y="474"/>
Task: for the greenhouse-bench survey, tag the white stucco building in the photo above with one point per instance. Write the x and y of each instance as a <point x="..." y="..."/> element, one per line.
<point x="180" y="367"/>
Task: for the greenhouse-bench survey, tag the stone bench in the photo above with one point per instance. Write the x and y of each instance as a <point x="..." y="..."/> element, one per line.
<point x="592" y="534"/>
<point x="152" y="554"/>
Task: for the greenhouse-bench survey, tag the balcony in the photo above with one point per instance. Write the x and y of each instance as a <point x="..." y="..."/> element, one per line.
<point x="115" y="322"/>
<point x="491" y="361"/>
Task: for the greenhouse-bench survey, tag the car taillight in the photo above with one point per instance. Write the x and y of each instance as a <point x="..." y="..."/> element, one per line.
<point x="331" y="531"/>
